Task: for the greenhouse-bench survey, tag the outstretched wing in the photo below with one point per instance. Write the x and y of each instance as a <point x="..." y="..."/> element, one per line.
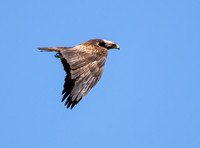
<point x="84" y="67"/>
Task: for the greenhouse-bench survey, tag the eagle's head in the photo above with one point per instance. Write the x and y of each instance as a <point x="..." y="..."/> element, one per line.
<point x="103" y="43"/>
<point x="108" y="44"/>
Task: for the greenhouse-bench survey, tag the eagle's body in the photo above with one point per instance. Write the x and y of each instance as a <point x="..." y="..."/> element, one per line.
<point x="84" y="65"/>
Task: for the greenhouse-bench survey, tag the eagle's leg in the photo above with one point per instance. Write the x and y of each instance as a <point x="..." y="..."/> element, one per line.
<point x="58" y="55"/>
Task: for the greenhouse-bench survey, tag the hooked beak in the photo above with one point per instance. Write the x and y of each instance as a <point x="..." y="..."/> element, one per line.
<point x="117" y="47"/>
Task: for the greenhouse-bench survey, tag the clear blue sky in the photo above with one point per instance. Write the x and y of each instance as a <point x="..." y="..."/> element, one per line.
<point x="148" y="96"/>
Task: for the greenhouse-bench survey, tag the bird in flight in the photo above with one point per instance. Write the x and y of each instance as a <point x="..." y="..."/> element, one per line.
<point x="84" y="64"/>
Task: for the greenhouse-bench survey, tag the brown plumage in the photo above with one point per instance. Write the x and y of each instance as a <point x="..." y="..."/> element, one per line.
<point x="84" y="65"/>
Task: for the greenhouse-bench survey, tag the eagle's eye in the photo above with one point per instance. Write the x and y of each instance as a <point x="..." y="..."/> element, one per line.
<point x="101" y="44"/>
<point x="113" y="45"/>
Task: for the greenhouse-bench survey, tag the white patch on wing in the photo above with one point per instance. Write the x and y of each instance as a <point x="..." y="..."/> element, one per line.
<point x="94" y="63"/>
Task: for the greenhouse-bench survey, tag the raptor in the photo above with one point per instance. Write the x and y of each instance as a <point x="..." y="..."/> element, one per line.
<point x="84" y="64"/>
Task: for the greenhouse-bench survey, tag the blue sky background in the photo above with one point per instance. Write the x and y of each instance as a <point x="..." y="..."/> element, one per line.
<point x="148" y="96"/>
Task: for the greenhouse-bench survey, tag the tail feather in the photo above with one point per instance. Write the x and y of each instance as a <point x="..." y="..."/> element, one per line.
<point x="51" y="49"/>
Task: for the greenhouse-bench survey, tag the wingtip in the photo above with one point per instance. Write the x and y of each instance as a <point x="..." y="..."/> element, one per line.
<point x="70" y="104"/>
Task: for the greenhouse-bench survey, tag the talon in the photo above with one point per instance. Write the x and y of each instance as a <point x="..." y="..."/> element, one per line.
<point x="58" y="55"/>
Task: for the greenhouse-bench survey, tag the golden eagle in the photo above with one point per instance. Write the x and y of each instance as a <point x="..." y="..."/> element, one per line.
<point x="84" y="65"/>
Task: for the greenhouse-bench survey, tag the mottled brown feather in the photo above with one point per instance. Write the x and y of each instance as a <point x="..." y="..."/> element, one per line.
<point x="86" y="66"/>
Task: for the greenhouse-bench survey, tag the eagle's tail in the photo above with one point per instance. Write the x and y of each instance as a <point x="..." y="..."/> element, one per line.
<point x="54" y="49"/>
